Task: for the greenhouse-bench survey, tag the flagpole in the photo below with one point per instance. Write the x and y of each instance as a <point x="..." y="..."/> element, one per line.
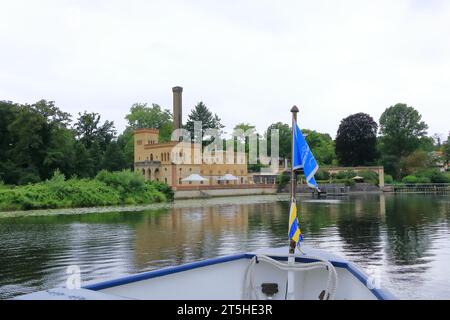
<point x="294" y="111"/>
<point x="292" y="243"/>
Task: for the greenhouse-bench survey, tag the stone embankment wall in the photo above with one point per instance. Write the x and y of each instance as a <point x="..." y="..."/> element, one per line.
<point x="211" y="192"/>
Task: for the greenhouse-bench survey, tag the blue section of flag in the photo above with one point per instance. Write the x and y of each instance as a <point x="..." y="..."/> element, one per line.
<point x="303" y="158"/>
<point x="294" y="228"/>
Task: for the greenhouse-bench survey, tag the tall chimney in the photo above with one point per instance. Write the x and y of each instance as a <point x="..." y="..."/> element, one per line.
<point x="177" y="107"/>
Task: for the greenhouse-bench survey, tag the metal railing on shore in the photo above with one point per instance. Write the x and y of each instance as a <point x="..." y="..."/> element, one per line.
<point x="418" y="188"/>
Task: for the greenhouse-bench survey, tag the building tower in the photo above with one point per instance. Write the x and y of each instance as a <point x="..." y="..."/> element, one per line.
<point x="177" y="107"/>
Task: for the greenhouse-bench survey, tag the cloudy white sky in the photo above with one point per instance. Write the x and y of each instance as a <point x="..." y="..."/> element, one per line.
<point x="249" y="61"/>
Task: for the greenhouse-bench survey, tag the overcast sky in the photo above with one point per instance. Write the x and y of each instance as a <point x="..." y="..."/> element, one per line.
<point x="249" y="61"/>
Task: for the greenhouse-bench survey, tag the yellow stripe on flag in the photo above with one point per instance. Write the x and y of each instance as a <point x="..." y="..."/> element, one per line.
<point x="294" y="228"/>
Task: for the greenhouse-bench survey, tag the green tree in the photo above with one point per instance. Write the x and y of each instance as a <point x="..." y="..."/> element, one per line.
<point x="418" y="160"/>
<point x="95" y="137"/>
<point x="446" y="151"/>
<point x="8" y="169"/>
<point x="401" y="129"/>
<point x="126" y="143"/>
<point x="239" y="132"/>
<point x="143" y="116"/>
<point x="285" y="139"/>
<point x="83" y="163"/>
<point x="242" y="128"/>
<point x="356" y="140"/>
<point x="208" y="121"/>
<point x="60" y="153"/>
<point x="426" y="144"/>
<point x="96" y="154"/>
<point x="322" y="146"/>
<point x="41" y="142"/>
<point x="113" y="159"/>
<point x="89" y="130"/>
<point x="391" y="164"/>
<point x="37" y="140"/>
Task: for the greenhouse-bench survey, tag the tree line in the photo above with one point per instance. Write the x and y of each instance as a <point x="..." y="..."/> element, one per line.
<point x="38" y="139"/>
<point x="398" y="142"/>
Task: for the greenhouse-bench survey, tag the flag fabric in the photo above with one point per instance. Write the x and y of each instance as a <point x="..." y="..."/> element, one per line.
<point x="303" y="158"/>
<point x="294" y="228"/>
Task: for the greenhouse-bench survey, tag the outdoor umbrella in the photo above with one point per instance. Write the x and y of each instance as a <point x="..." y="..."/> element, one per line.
<point x="194" y="178"/>
<point x="228" y="177"/>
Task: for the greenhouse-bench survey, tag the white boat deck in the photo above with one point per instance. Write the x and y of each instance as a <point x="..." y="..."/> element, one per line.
<point x="223" y="279"/>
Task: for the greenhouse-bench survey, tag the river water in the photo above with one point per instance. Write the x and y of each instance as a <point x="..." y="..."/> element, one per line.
<point x="403" y="239"/>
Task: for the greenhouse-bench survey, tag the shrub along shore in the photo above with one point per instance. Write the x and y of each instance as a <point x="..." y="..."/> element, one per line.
<point x="106" y="189"/>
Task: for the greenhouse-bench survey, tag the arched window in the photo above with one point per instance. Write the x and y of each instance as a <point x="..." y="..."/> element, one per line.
<point x="179" y="180"/>
<point x="151" y="156"/>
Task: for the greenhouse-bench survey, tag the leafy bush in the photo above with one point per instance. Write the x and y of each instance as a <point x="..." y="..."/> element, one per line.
<point x="28" y="177"/>
<point x="434" y="176"/>
<point x="3" y="185"/>
<point x="109" y="188"/>
<point x="423" y="180"/>
<point x="164" y="188"/>
<point x="369" y="176"/>
<point x="439" y="177"/>
<point x="410" y="179"/>
<point x="131" y="186"/>
<point x="388" y="179"/>
<point x="126" y="182"/>
<point x="346" y="174"/>
<point x="322" y="175"/>
<point x="349" y="182"/>
<point x="282" y="181"/>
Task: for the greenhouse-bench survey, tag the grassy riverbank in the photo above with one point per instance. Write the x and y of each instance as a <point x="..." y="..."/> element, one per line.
<point x="106" y="189"/>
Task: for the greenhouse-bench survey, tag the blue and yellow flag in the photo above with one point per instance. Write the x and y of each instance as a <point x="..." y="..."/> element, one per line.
<point x="303" y="158"/>
<point x="294" y="228"/>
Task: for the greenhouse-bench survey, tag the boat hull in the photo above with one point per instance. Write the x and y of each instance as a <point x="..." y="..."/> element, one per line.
<point x="223" y="278"/>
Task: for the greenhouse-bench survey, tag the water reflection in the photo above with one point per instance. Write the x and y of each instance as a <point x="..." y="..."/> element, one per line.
<point x="404" y="238"/>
